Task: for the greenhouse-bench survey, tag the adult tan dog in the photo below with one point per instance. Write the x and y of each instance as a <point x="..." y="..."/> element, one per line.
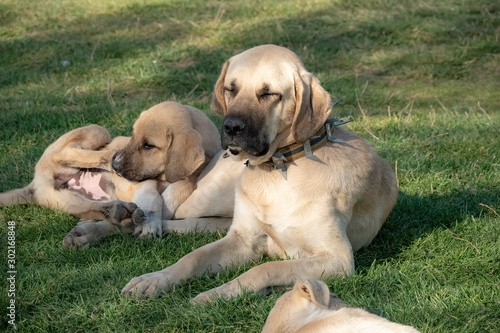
<point x="310" y="307"/>
<point x="74" y="174"/>
<point x="331" y="203"/>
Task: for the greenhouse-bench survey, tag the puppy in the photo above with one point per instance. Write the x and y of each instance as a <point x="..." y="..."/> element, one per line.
<point x="311" y="193"/>
<point x="310" y="307"/>
<point x="170" y="142"/>
<point x="177" y="145"/>
<point x="75" y="174"/>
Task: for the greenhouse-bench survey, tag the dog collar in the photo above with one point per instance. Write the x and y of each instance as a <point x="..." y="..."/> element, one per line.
<point x="290" y="153"/>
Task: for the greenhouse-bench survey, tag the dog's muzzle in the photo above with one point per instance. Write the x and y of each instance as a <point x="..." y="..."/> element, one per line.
<point x="239" y="135"/>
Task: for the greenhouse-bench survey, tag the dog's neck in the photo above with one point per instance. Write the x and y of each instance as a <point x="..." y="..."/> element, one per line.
<point x="284" y="149"/>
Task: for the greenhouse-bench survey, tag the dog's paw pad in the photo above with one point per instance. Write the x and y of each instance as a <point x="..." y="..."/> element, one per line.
<point x="121" y="211"/>
<point x="138" y="216"/>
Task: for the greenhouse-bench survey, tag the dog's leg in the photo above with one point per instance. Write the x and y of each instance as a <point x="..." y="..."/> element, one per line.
<point x="117" y="212"/>
<point x="283" y="273"/>
<point x="147" y="198"/>
<point x="197" y="224"/>
<point x="20" y="196"/>
<point x="73" y="156"/>
<point x="88" y="232"/>
<point x="80" y="148"/>
<point x="175" y="194"/>
<point x="233" y="249"/>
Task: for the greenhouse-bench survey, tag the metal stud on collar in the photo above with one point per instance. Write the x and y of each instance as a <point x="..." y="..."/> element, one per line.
<point x="279" y="160"/>
<point x="309" y="153"/>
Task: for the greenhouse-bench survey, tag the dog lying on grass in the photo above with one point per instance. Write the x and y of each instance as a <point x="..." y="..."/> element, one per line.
<point x="75" y="174"/>
<point x="310" y="307"/>
<point x="309" y="195"/>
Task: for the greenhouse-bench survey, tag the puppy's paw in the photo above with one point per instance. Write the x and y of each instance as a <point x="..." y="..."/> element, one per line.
<point x="148" y="285"/>
<point x="151" y="229"/>
<point x="122" y="213"/>
<point x="82" y="235"/>
<point x="138" y="216"/>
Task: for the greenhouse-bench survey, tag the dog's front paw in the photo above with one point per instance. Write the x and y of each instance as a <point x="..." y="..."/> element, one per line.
<point x="151" y="228"/>
<point x="226" y="291"/>
<point x="82" y="235"/>
<point x="148" y="285"/>
<point x="124" y="214"/>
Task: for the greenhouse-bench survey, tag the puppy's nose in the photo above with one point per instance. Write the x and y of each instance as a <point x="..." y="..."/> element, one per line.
<point x="116" y="162"/>
<point x="233" y="125"/>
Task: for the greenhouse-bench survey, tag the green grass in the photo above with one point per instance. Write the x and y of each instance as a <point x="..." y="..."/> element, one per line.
<point x="421" y="79"/>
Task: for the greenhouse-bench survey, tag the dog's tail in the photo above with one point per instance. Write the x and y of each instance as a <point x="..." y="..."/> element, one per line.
<point x="19" y="196"/>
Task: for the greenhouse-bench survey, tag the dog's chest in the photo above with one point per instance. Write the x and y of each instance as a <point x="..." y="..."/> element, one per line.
<point x="283" y="211"/>
<point x="268" y="195"/>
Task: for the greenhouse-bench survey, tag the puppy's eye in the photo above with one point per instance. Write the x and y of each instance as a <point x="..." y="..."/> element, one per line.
<point x="147" y="146"/>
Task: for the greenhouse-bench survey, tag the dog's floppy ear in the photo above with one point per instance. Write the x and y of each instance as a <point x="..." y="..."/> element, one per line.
<point x="218" y="104"/>
<point x="314" y="291"/>
<point x="313" y="105"/>
<point x="184" y="155"/>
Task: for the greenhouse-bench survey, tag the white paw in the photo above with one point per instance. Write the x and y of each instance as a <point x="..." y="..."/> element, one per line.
<point x="150" y="228"/>
<point x="148" y="285"/>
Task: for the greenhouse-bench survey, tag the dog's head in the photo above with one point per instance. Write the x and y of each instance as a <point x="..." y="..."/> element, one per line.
<point x="300" y="306"/>
<point x="265" y="92"/>
<point x="164" y="145"/>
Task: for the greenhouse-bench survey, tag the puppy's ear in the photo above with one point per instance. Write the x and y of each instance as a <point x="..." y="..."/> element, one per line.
<point x="314" y="291"/>
<point x="184" y="155"/>
<point x="218" y="104"/>
<point x="313" y="105"/>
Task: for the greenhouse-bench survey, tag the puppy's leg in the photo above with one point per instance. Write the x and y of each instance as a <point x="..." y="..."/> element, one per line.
<point x="88" y="232"/>
<point x="117" y="212"/>
<point x="235" y="249"/>
<point x="80" y="148"/>
<point x="148" y="199"/>
<point x="20" y="196"/>
<point x="73" y="156"/>
<point x="175" y="194"/>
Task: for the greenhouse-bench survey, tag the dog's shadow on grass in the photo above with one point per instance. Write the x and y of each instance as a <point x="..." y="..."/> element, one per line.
<point x="415" y="216"/>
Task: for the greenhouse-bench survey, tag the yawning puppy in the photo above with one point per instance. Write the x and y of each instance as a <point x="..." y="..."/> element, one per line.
<point x="310" y="194"/>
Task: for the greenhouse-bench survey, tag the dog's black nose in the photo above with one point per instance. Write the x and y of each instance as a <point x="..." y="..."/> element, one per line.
<point x="116" y="164"/>
<point x="233" y="125"/>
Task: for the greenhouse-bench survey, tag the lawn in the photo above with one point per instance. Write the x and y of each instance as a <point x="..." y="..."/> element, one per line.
<point x="420" y="78"/>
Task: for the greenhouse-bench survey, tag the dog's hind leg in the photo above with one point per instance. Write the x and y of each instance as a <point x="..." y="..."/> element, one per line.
<point x="80" y="148"/>
<point x="19" y="196"/>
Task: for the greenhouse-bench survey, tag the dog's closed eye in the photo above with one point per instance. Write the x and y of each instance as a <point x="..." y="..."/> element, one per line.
<point x="148" y="146"/>
<point x="267" y="95"/>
